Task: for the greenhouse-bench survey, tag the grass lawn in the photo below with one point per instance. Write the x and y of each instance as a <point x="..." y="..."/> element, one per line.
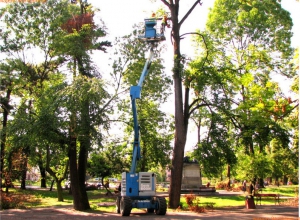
<point x="282" y="190"/>
<point x="239" y="200"/>
<point x="218" y="201"/>
<point x="33" y="198"/>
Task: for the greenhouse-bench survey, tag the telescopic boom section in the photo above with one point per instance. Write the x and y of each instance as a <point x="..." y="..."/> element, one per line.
<point x="135" y="93"/>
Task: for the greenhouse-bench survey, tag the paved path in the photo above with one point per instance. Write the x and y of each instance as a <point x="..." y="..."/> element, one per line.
<point x="264" y="212"/>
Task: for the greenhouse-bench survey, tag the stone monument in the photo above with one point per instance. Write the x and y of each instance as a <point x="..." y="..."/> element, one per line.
<point x="191" y="178"/>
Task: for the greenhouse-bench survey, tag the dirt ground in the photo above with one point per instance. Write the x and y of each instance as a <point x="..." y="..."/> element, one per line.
<point x="263" y="212"/>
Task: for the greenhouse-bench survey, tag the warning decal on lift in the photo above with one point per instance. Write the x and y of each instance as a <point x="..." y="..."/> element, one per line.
<point x="145" y="186"/>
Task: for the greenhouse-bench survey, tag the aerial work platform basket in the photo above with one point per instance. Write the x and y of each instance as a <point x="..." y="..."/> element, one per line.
<point x="152" y="34"/>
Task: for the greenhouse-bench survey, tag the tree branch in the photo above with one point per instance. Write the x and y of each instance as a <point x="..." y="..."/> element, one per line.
<point x="189" y="12"/>
<point x="103" y="45"/>
<point x="166" y="3"/>
<point x="206" y="58"/>
<point x="204" y="103"/>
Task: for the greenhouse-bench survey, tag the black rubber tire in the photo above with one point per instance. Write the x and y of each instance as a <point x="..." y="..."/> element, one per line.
<point x="150" y="210"/>
<point x="118" y="204"/>
<point x="162" y="206"/>
<point x="125" y="206"/>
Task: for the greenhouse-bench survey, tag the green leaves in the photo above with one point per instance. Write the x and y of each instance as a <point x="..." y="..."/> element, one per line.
<point x="248" y="42"/>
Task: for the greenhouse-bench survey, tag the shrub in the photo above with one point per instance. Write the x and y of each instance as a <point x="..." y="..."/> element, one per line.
<point x="11" y="201"/>
<point x="193" y="203"/>
<point x="221" y="185"/>
<point x="189" y="198"/>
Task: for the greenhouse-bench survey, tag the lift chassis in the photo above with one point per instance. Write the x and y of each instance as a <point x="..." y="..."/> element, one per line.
<point x="138" y="190"/>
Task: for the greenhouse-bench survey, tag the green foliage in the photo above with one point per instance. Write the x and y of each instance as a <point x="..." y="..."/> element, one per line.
<point x="252" y="167"/>
<point x="36" y="25"/>
<point x="247" y="43"/>
<point x="109" y="161"/>
<point x="215" y="151"/>
<point x="41" y="125"/>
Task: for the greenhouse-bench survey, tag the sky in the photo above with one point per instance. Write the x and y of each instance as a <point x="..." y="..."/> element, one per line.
<point x="120" y="15"/>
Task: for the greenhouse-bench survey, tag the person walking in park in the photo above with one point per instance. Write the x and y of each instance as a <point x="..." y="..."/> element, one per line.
<point x="251" y="190"/>
<point x="244" y="188"/>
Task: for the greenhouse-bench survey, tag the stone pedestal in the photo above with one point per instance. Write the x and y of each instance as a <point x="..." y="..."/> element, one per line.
<point x="191" y="178"/>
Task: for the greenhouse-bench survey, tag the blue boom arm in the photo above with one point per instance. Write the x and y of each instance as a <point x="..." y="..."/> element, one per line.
<point x="135" y="93"/>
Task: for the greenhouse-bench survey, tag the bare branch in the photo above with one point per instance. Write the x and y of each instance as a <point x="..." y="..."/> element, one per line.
<point x="189" y="12"/>
<point x="204" y="103"/>
<point x="166" y="3"/>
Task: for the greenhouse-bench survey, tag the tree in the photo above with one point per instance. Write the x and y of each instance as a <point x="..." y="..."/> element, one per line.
<point x="182" y="106"/>
<point x="6" y="82"/>
<point x="244" y="55"/>
<point x="215" y="150"/>
<point x="49" y="126"/>
<point x="247" y="47"/>
<point x="30" y="31"/>
<point x="253" y="167"/>
<point x="111" y="161"/>
<point x="82" y="36"/>
<point x="48" y="27"/>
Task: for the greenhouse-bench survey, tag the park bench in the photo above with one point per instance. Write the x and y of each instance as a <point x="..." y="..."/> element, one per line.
<point x="270" y="195"/>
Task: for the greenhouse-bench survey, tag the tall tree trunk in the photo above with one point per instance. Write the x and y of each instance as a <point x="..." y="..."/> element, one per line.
<point x="180" y="126"/>
<point x="78" y="170"/>
<point x="24" y="172"/>
<point x="59" y="190"/>
<point x="81" y="176"/>
<point x="83" y="153"/>
<point x="261" y="182"/>
<point x="181" y="107"/>
<point x="251" y="147"/>
<point x="228" y="175"/>
<point x="5" y="108"/>
<point x="42" y="170"/>
<point x="7" y="180"/>
<point x="51" y="186"/>
<point x="43" y="175"/>
<point x="74" y="175"/>
<point x="285" y="180"/>
<point x="179" y="142"/>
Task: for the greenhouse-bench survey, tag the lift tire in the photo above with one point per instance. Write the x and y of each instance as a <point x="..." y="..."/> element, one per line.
<point x="125" y="206"/>
<point x="118" y="204"/>
<point x="150" y="210"/>
<point x="162" y="206"/>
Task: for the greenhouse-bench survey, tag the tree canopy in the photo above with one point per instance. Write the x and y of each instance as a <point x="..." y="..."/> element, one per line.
<point x="58" y="107"/>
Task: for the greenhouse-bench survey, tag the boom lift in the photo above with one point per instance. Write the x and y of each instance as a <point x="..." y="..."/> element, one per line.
<point x="138" y="190"/>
